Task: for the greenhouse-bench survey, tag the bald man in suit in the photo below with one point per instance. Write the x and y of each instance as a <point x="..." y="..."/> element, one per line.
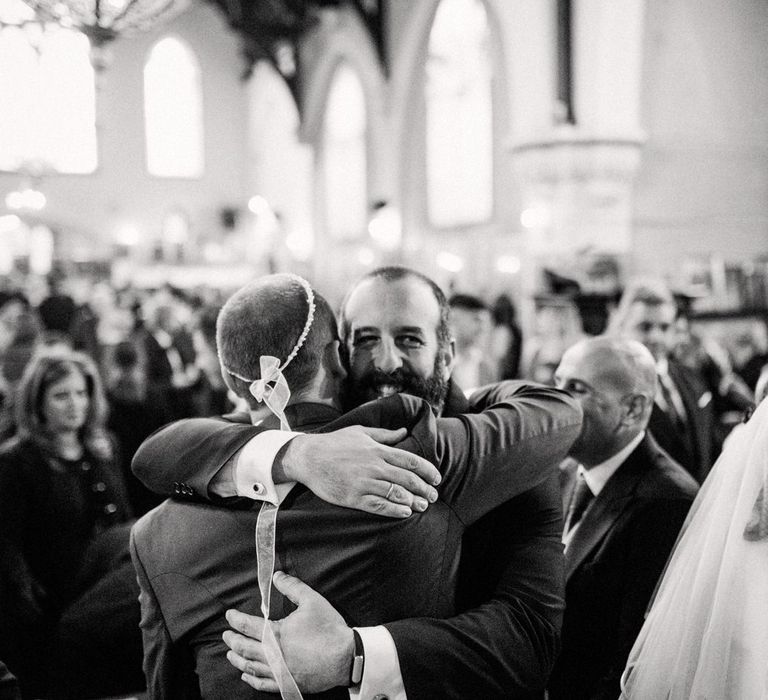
<point x="625" y="501"/>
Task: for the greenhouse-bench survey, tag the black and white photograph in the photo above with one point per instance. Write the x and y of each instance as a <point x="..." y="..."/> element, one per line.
<point x="383" y="349"/>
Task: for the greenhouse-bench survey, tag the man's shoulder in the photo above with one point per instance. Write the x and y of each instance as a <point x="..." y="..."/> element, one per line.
<point x="396" y="411"/>
<point x="177" y="525"/>
<point x="663" y="478"/>
<point x="144" y="528"/>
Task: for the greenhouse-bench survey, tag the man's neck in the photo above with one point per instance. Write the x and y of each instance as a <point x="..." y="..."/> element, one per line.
<point x="609" y="452"/>
<point x="263" y="411"/>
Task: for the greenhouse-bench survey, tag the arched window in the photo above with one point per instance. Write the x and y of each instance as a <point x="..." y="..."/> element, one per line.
<point x="344" y="157"/>
<point x="173" y="111"/>
<point x="459" y="115"/>
<point x="48" y="118"/>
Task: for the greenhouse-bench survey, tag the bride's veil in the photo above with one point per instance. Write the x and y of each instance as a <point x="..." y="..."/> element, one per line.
<point x="706" y="635"/>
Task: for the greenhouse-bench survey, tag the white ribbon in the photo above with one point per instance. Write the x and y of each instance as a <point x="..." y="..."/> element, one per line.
<point x="266" y="525"/>
<point x="272" y="388"/>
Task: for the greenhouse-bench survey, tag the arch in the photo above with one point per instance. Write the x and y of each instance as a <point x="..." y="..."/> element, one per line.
<point x="408" y="105"/>
<point x="346" y="39"/>
<point x="173" y="110"/>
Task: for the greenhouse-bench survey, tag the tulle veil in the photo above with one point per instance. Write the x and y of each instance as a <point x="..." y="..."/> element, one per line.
<point x="706" y="635"/>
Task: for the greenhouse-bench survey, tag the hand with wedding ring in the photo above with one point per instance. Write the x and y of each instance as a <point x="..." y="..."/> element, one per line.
<point x="358" y="468"/>
<point x="316" y="643"/>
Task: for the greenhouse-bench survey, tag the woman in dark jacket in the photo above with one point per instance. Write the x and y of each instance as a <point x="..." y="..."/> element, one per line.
<point x="67" y="590"/>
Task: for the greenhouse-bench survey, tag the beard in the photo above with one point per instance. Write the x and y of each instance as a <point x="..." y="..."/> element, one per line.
<point x="376" y="384"/>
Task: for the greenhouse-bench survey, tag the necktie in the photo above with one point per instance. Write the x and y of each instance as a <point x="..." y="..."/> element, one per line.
<point x="668" y="393"/>
<point x="580" y="500"/>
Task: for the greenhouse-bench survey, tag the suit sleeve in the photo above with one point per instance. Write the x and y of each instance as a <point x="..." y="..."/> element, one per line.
<point x="487" y="458"/>
<point x="506" y="646"/>
<point x="653" y="533"/>
<point x="191" y="452"/>
<point x="167" y="667"/>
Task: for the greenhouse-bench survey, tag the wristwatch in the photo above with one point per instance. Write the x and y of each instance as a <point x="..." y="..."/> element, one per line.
<point x="358" y="662"/>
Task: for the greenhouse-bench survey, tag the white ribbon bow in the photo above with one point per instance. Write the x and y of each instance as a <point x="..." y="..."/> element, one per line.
<point x="272" y="388"/>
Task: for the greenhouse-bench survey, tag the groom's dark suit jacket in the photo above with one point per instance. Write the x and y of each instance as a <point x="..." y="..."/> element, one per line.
<point x="613" y="563"/>
<point x="196" y="560"/>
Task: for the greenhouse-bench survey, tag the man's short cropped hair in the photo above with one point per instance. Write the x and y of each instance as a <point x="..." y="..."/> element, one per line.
<point x="266" y="317"/>
<point x="467" y="301"/>
<point x="394" y="273"/>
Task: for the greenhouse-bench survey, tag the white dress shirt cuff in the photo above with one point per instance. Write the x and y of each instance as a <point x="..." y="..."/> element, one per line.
<point x="253" y="470"/>
<point x="381" y="675"/>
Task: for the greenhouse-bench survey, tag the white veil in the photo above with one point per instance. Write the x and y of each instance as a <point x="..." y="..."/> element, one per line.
<point x="706" y="636"/>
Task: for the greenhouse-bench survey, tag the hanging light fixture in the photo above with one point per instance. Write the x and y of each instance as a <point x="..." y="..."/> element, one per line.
<point x="102" y="21"/>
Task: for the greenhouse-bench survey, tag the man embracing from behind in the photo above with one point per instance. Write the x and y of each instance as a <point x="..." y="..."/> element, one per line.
<point x="279" y="350"/>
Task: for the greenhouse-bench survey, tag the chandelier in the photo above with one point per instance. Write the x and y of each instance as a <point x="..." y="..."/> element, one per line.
<point x="102" y="21"/>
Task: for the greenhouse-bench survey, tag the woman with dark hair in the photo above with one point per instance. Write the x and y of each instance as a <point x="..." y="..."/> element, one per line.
<point x="67" y="591"/>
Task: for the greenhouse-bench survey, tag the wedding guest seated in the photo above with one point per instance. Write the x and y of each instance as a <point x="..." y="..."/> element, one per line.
<point x="68" y="608"/>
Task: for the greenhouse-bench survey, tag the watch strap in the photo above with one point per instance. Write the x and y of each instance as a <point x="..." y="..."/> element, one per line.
<point x="358" y="662"/>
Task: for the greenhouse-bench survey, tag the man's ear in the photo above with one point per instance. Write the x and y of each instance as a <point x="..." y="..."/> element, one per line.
<point x="636" y="406"/>
<point x="228" y="380"/>
<point x="333" y="360"/>
<point x="449" y="358"/>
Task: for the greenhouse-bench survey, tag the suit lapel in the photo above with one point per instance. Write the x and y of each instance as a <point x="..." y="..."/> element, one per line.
<point x="693" y="401"/>
<point x="606" y="509"/>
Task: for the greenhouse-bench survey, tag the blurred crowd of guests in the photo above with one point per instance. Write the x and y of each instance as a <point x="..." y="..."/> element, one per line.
<point x="88" y="372"/>
<point x="692" y="367"/>
<point x="85" y="376"/>
<point x="155" y="352"/>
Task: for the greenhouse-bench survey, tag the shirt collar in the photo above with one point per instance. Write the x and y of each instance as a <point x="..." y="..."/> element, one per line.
<point x="662" y="366"/>
<point x="597" y="477"/>
<point x="301" y="416"/>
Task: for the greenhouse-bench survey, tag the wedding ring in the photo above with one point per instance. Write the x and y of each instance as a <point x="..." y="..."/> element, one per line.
<point x="389" y="490"/>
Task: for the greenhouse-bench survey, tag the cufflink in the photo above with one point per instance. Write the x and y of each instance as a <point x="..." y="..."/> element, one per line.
<point x="259" y="489"/>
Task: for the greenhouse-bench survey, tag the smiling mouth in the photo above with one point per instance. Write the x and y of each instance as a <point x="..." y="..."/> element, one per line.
<point x="384" y="390"/>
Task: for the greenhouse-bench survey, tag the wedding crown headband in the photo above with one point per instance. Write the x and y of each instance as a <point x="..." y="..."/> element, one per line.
<point x="272" y="387"/>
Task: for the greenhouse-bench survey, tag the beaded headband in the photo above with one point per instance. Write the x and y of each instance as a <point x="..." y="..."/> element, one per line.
<point x="272" y="387"/>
